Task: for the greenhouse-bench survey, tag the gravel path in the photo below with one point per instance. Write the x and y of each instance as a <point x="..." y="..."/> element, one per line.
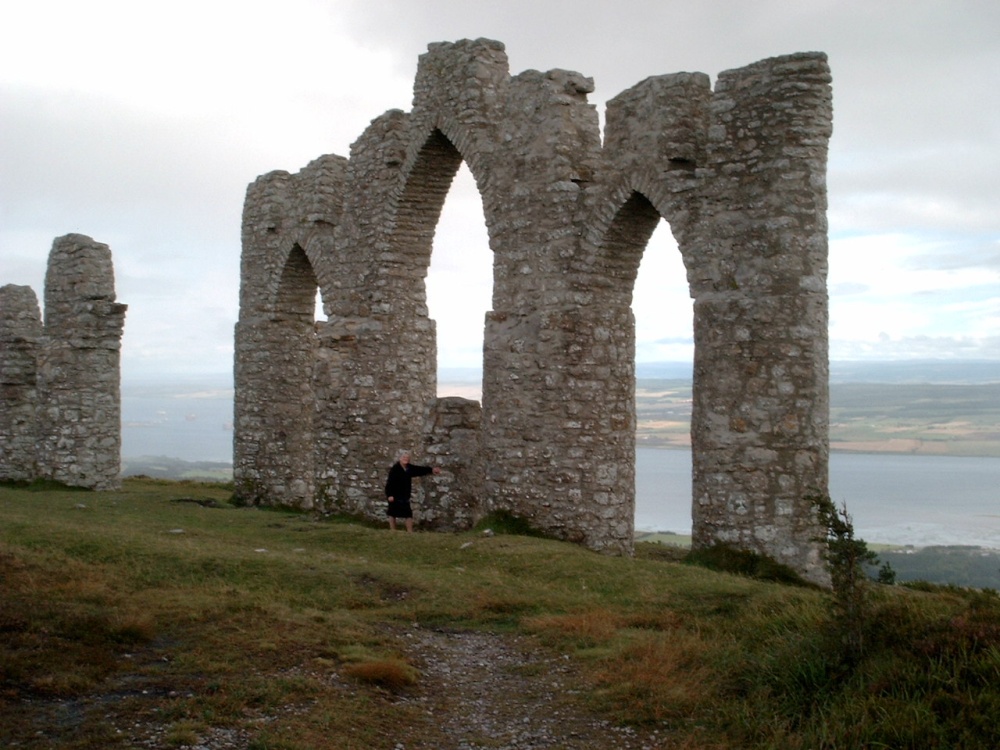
<point x="501" y="692"/>
<point x="477" y="691"/>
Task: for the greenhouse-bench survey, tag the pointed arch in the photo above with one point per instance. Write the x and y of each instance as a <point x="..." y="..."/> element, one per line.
<point x="626" y="238"/>
<point x="296" y="293"/>
<point x="280" y="463"/>
<point x="420" y="204"/>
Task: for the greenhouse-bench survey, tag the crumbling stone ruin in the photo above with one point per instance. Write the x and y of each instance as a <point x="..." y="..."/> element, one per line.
<point x="60" y="382"/>
<point x="738" y="172"/>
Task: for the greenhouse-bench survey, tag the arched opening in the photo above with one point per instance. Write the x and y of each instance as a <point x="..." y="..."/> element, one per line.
<point x="287" y="383"/>
<point x="664" y="349"/>
<point x="460" y="288"/>
<point x="645" y="267"/>
<point x="297" y="289"/>
<point x="661" y="302"/>
<point x="420" y="206"/>
<point x="436" y="318"/>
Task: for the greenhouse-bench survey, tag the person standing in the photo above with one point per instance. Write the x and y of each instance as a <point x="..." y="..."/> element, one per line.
<point x="398" y="487"/>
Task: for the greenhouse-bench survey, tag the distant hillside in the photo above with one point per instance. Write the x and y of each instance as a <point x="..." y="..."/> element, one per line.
<point x="163" y="467"/>
<point x="944" y="417"/>
<point x="907" y="371"/>
<point x="923" y="406"/>
<point x="917" y="371"/>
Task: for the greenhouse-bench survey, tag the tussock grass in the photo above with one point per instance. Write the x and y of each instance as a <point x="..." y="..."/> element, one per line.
<point x="165" y="607"/>
<point x="391" y="674"/>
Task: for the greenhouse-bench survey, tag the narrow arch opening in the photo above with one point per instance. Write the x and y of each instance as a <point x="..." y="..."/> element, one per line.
<point x="647" y="272"/>
<point x="661" y="303"/>
<point x="460" y="288"/>
<point x="298" y="289"/>
<point x="664" y="350"/>
<point x="420" y="205"/>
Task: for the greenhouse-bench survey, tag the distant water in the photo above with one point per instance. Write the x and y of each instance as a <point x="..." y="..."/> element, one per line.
<point x="895" y="499"/>
<point x="187" y="418"/>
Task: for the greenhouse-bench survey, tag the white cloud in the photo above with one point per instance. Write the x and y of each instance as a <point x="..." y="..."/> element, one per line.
<point x="141" y="124"/>
<point x="887" y="301"/>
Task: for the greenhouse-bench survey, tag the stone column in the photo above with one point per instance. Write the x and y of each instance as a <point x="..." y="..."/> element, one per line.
<point x="275" y="349"/>
<point x="80" y="367"/>
<point x="761" y="404"/>
<point x="550" y="444"/>
<point x="20" y="335"/>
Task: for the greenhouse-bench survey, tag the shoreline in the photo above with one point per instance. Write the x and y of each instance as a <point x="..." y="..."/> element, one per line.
<point x="887" y="447"/>
<point x="674" y="539"/>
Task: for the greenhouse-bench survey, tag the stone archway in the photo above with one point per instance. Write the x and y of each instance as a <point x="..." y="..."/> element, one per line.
<point x="280" y="374"/>
<point x="739" y="174"/>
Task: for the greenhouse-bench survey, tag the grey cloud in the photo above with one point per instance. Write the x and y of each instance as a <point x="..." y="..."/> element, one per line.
<point x="915" y="127"/>
<point x="914" y="148"/>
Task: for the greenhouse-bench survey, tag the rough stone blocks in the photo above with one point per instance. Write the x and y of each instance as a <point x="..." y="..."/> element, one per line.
<point x="60" y="399"/>
<point x="739" y="174"/>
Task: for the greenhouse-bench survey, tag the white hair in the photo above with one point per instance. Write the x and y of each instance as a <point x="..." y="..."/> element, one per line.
<point x="402" y="452"/>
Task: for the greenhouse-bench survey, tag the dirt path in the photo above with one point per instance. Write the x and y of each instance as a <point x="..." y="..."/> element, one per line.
<point x="476" y="691"/>
<point x="502" y="692"/>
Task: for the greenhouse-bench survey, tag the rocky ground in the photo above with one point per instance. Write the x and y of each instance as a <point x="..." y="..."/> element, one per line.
<point x="505" y="693"/>
<point x="479" y="691"/>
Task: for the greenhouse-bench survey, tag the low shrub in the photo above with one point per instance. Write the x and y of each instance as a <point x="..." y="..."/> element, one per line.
<point x="390" y="674"/>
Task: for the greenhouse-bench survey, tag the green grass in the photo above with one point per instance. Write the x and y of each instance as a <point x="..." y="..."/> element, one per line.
<point x="163" y="604"/>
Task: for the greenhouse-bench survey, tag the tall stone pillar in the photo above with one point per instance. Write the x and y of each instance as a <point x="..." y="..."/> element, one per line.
<point x="20" y="336"/>
<point x="760" y="414"/>
<point x="79" y="376"/>
<point x="275" y="344"/>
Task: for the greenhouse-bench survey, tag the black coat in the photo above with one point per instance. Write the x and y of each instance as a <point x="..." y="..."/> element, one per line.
<point x="398" y="486"/>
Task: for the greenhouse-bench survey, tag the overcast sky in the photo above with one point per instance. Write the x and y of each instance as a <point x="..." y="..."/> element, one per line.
<point x="142" y="123"/>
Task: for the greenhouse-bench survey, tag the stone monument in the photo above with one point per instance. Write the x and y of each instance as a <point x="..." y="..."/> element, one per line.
<point x="738" y="172"/>
<point x="60" y="382"/>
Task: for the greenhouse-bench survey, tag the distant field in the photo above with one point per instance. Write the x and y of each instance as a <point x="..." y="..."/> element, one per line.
<point x="929" y="419"/>
<point x="663" y="413"/>
<point x="932" y="419"/>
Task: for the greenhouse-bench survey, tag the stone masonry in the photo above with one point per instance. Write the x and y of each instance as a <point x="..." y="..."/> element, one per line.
<point x="738" y="172"/>
<point x="60" y="400"/>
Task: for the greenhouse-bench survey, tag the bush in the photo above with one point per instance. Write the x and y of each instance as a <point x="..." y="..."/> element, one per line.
<point x="846" y="559"/>
<point x="390" y="674"/>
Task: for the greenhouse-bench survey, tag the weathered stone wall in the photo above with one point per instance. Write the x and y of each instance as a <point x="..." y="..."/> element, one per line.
<point x="761" y="405"/>
<point x="738" y="172"/>
<point x="61" y="415"/>
<point x="454" y="500"/>
<point x="20" y="338"/>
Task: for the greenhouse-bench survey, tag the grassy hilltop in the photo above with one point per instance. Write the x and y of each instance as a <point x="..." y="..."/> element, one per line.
<point x="162" y="615"/>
